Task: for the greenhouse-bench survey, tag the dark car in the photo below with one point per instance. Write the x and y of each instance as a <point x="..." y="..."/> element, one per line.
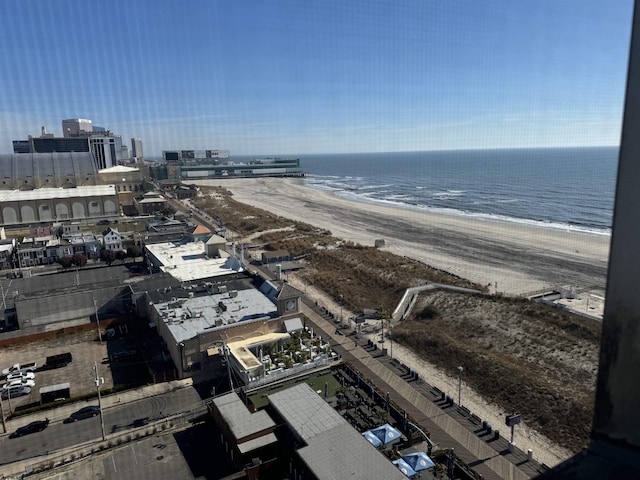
<point x="37" y="426"/>
<point x="104" y="222"/>
<point x="84" y="412"/>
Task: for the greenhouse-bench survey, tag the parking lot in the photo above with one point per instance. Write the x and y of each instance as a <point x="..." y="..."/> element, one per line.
<point x="80" y="374"/>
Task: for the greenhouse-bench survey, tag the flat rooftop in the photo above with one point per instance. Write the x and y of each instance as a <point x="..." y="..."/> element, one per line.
<point x="241" y="422"/>
<point x="189" y="317"/>
<point x="188" y="262"/>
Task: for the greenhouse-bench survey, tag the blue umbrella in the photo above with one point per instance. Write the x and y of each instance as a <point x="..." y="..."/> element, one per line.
<point x="386" y="433"/>
<point x="419" y="461"/>
<point x="373" y="438"/>
<point x="404" y="467"/>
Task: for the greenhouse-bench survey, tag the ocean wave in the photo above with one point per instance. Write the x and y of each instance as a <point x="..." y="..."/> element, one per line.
<point x="489" y="217"/>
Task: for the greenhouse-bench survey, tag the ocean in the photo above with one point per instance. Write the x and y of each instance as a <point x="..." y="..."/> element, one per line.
<point x="570" y="189"/>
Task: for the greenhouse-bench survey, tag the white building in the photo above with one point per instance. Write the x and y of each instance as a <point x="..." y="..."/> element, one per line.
<point x="111" y="239"/>
<point x="136" y="148"/>
<point x="57" y="204"/>
<point x="76" y="127"/>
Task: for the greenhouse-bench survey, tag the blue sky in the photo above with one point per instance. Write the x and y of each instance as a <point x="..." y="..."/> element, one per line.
<point x="291" y="77"/>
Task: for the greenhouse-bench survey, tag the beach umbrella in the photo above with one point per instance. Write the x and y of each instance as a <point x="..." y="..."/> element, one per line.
<point x="386" y="433"/>
<point x="404" y="467"/>
<point x="372" y="438"/>
<point x="419" y="461"/>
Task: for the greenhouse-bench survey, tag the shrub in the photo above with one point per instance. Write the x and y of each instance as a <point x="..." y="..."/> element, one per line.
<point x="429" y="312"/>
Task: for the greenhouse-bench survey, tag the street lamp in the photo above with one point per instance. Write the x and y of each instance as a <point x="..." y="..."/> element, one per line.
<point x="99" y="381"/>
<point x="460" y="370"/>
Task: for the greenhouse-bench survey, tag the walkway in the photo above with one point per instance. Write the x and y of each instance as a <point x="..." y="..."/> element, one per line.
<point x="450" y="427"/>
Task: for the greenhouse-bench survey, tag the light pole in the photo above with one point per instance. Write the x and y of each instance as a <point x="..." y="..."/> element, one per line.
<point x="460" y="370"/>
<point x="99" y="381"/>
<point x="4" y="427"/>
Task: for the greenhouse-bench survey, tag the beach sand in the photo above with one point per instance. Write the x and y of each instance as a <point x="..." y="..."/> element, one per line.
<point x="510" y="258"/>
<point x="519" y="258"/>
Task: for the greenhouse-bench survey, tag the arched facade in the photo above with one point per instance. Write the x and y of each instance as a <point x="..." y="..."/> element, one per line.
<point x="45" y="213"/>
<point x="9" y="215"/>
<point x="27" y="213"/>
<point x="62" y="211"/>
<point x="46" y="205"/>
<point x="110" y="207"/>
<point x="78" y="210"/>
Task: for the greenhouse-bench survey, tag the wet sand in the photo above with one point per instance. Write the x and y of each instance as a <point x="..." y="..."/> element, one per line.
<point x="510" y="258"/>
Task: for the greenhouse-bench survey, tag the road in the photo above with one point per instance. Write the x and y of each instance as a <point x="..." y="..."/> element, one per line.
<point x="116" y="419"/>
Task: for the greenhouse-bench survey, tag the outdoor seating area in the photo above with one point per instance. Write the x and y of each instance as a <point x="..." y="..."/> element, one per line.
<point x="302" y="347"/>
<point x="379" y="421"/>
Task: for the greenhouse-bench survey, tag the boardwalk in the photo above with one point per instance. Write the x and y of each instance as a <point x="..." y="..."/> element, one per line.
<point x="449" y="426"/>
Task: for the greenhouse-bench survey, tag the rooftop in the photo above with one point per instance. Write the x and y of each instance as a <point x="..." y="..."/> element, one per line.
<point x="189" y="317"/>
<point x="188" y="262"/>
<point x="334" y="449"/>
<point x="51" y="193"/>
<point x="119" y="169"/>
<point x="240" y="349"/>
<point x="241" y="422"/>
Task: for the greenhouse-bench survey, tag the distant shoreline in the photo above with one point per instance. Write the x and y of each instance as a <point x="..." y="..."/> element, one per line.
<point x="561" y="227"/>
<point x="508" y="257"/>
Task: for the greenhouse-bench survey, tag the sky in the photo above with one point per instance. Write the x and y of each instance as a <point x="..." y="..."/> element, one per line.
<point x="291" y="77"/>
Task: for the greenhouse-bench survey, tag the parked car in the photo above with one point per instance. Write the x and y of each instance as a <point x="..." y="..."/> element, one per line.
<point x="57" y="361"/>
<point x="37" y="426"/>
<point x="104" y="222"/>
<point x="20" y="375"/>
<point x="24" y="382"/>
<point x="17" y="367"/>
<point x="84" y="412"/>
<point x="15" y="392"/>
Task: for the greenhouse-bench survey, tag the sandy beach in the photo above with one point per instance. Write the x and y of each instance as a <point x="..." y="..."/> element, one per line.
<point x="511" y="258"/>
<point x="519" y="258"/>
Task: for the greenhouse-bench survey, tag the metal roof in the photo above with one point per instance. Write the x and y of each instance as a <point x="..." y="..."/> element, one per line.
<point x="334" y="449"/>
<point x="241" y="422"/>
<point x="305" y="411"/>
<point x="59" y="164"/>
<point x="52" y="193"/>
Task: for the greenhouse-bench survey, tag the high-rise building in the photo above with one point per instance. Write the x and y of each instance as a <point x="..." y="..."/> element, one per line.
<point x="136" y="148"/>
<point x="107" y="149"/>
<point x="79" y="136"/>
<point x="76" y="127"/>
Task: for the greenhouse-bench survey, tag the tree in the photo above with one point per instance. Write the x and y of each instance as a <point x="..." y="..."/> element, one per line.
<point x="134" y="251"/>
<point x="107" y="256"/>
<point x="65" y="262"/>
<point x="121" y="255"/>
<point x="79" y="259"/>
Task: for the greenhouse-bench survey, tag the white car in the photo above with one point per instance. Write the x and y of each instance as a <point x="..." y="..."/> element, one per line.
<point x="15" y="392"/>
<point x="19" y="383"/>
<point x="20" y="375"/>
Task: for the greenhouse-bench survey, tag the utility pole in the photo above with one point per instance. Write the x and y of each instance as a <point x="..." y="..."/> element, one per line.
<point x="95" y="306"/>
<point x="4" y="426"/>
<point x="99" y="381"/>
<point x="460" y="370"/>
